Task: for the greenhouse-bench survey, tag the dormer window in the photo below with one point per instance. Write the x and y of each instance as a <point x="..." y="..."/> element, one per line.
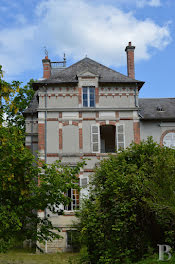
<point x="160" y="109"/>
<point x="88" y="96"/>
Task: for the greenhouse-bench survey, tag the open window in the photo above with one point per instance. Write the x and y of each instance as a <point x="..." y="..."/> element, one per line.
<point x="108" y="139"/>
<point x="73" y="194"/>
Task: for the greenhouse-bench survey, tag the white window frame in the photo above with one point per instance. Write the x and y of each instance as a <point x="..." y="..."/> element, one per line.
<point x="98" y="133"/>
<point x="77" y="206"/>
<point x="88" y="96"/>
<point x="117" y="142"/>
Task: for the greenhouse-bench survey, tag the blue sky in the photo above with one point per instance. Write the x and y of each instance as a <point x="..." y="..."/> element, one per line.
<point x="99" y="29"/>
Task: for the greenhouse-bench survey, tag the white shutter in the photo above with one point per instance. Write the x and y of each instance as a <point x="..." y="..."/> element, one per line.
<point x="95" y="138"/>
<point x="120" y="136"/>
<point x="84" y="192"/>
<point x="84" y="182"/>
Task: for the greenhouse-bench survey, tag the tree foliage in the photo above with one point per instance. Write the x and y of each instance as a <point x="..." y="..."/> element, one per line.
<point x="18" y="103"/>
<point x="21" y="197"/>
<point x="131" y="207"/>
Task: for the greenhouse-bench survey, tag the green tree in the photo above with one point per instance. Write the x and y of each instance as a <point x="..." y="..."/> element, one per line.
<point x="21" y="197"/>
<point x="131" y="207"/>
<point x="18" y="103"/>
<point x="14" y="98"/>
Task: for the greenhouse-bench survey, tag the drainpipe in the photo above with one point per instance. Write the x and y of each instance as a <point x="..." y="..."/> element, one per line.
<point x="135" y="96"/>
<point x="45" y="210"/>
<point x="46" y="124"/>
<point x="32" y="134"/>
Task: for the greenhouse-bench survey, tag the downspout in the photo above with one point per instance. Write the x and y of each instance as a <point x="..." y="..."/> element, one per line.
<point x="135" y="95"/>
<point x="45" y="210"/>
<point x="32" y="134"/>
<point x="45" y="125"/>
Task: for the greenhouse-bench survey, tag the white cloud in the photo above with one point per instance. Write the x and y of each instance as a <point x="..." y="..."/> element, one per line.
<point x="79" y="28"/>
<point x="143" y="3"/>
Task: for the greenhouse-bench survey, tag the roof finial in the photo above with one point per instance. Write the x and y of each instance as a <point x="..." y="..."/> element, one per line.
<point x="86" y="56"/>
<point x="46" y="51"/>
<point x="64" y="60"/>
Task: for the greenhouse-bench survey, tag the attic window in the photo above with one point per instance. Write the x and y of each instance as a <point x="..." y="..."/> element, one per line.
<point x="160" y="109"/>
<point x="89" y="96"/>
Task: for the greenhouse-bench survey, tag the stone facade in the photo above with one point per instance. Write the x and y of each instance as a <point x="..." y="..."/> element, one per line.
<point x="60" y="126"/>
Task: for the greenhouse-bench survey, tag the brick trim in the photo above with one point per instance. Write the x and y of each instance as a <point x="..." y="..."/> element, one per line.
<point x="28" y="147"/>
<point x="74" y="123"/>
<point x="126" y="118"/>
<point x="79" y="95"/>
<point x="116" y="94"/>
<point x="164" y="134"/>
<point x="52" y="119"/>
<point x="112" y="123"/>
<point x="136" y="127"/>
<point x="67" y="123"/>
<point x="80" y="138"/>
<point x="104" y="123"/>
<point x="96" y="95"/>
<point x="117" y="115"/>
<point x="60" y="138"/>
<point x="88" y="170"/>
<point x="89" y="154"/>
<point x="90" y="118"/>
<point x="52" y="154"/>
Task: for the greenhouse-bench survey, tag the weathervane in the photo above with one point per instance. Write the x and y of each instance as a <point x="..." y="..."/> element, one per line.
<point x="46" y="51"/>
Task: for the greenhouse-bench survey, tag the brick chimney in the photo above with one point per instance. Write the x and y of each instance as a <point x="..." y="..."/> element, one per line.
<point x="46" y="68"/>
<point x="130" y="60"/>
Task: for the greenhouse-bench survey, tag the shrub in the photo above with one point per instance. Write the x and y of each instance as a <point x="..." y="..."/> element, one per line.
<point x="131" y="206"/>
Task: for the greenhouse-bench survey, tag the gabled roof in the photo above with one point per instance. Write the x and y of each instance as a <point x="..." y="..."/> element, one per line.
<point x="157" y="108"/>
<point x="106" y="75"/>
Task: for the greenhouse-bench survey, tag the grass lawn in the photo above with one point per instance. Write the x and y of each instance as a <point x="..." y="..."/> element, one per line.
<point x="154" y="260"/>
<point x="22" y="257"/>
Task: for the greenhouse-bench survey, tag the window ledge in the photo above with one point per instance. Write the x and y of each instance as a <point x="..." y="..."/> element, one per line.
<point x="69" y="213"/>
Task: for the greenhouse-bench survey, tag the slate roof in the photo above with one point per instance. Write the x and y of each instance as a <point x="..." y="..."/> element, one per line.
<point x="150" y="108"/>
<point x="106" y="75"/>
<point x="33" y="106"/>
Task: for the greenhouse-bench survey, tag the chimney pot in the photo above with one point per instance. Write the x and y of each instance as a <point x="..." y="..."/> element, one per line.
<point x="130" y="60"/>
<point x="46" y="68"/>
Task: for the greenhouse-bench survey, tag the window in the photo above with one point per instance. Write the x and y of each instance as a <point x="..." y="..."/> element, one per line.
<point x="73" y="240"/>
<point x="95" y="138"/>
<point x="120" y="137"/>
<point x="73" y="194"/>
<point x="107" y="138"/>
<point x="169" y="140"/>
<point x="88" y="96"/>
